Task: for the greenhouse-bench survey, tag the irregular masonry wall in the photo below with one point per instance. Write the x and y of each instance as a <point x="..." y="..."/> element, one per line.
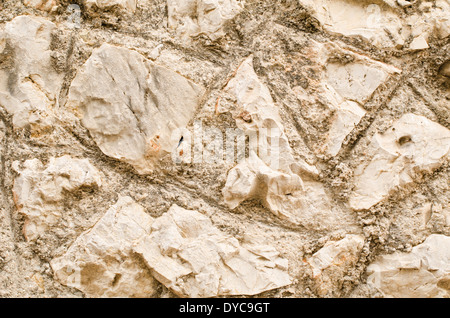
<point x="203" y="148"/>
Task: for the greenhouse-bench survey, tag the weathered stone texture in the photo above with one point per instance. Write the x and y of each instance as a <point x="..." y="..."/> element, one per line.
<point x="333" y="261"/>
<point x="194" y="259"/>
<point x="101" y="263"/>
<point x="412" y="145"/>
<point x="191" y="18"/>
<point x="29" y="86"/>
<point x="422" y="273"/>
<point x="39" y="190"/>
<point x="224" y="148"/>
<point x="131" y="106"/>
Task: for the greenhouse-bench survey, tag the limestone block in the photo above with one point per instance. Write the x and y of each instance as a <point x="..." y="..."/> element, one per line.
<point x="430" y="20"/>
<point x="192" y="258"/>
<point x="257" y="115"/>
<point x="38" y="190"/>
<point x="271" y="173"/>
<point x="348" y="115"/>
<point x="252" y="178"/>
<point x="380" y="22"/>
<point x="422" y="273"/>
<point x="126" y="5"/>
<point x="419" y="43"/>
<point x="44" y="5"/>
<point x="191" y="18"/>
<point x="100" y="262"/>
<point x="342" y="89"/>
<point x="414" y="144"/>
<point x="363" y="18"/>
<point x="356" y="81"/>
<point x="285" y="195"/>
<point x="332" y="262"/>
<point x="132" y="107"/>
<point x="29" y="86"/>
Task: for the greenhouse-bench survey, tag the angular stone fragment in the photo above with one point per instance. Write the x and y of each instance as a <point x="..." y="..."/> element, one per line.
<point x="257" y="115"/>
<point x="252" y="178"/>
<point x="285" y="195"/>
<point x="101" y="263"/>
<point x="29" y="86"/>
<point x="126" y="5"/>
<point x="381" y="22"/>
<point x="346" y="114"/>
<point x="419" y="43"/>
<point x="44" y="5"/>
<point x="196" y="17"/>
<point x="361" y="18"/>
<point x="334" y="102"/>
<point x="356" y="81"/>
<point x="193" y="258"/>
<point x="332" y="262"/>
<point x="431" y="19"/>
<point x="132" y="107"/>
<point x="271" y="173"/>
<point x="422" y="273"/>
<point x="413" y="145"/>
<point x="38" y="190"/>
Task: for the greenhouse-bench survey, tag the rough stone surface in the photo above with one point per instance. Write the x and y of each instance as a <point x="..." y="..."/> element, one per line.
<point x="128" y="5"/>
<point x="132" y="121"/>
<point x="422" y="273"/>
<point x="39" y="190"/>
<point x="192" y="258"/>
<point x="343" y="87"/>
<point x="224" y="148"/>
<point x="193" y="18"/>
<point x="44" y="5"/>
<point x="412" y="145"/>
<point x="381" y="22"/>
<point x="278" y="182"/>
<point x="29" y="86"/>
<point x="332" y="262"/>
<point x="101" y="263"/>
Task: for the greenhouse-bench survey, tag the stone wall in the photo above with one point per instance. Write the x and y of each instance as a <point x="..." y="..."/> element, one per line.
<point x="204" y="148"/>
